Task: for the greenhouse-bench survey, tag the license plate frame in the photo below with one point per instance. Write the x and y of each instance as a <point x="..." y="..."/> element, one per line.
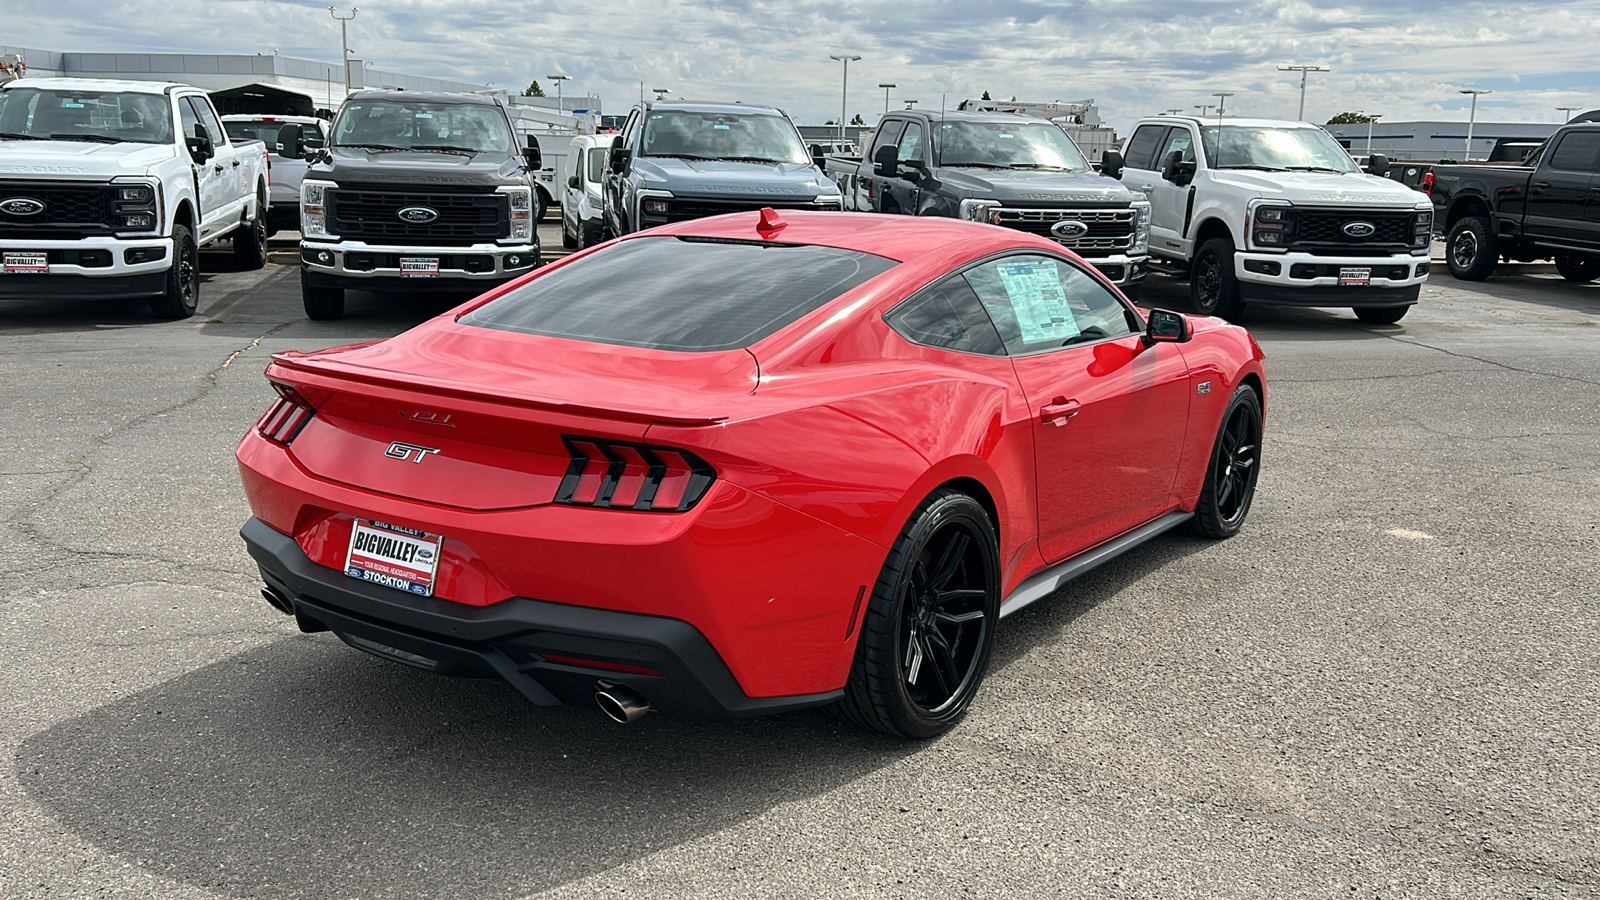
<point x="419" y="267"/>
<point x="1355" y="276"/>
<point x="392" y="556"/>
<point x="25" y="263"/>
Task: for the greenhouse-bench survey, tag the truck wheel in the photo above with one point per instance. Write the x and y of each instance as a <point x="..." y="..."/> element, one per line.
<point x="569" y="239"/>
<point x="321" y="302"/>
<point x="1213" y="286"/>
<point x="250" y="243"/>
<point x="182" y="295"/>
<point x="1471" y="251"/>
<point x="1580" y="269"/>
<point x="590" y="235"/>
<point x="1381" y="315"/>
<point x="541" y="205"/>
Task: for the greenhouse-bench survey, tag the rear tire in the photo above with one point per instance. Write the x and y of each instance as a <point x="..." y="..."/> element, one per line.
<point x="321" y="303"/>
<point x="569" y="240"/>
<point x="1471" y="251"/>
<point x="1381" y="315"/>
<point x="182" y="296"/>
<point x="1235" y="465"/>
<point x="250" y="242"/>
<point x="1213" y="285"/>
<point x="929" y="625"/>
<point x="1578" y="269"/>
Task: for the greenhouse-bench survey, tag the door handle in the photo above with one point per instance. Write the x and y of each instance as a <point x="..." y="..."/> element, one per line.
<point x="216" y="168"/>
<point x="1059" y="412"/>
<point x="236" y="164"/>
<point x="1147" y="187"/>
<point x="1538" y="186"/>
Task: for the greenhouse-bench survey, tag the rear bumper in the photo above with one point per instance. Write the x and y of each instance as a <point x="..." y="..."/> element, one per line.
<point x="513" y="638"/>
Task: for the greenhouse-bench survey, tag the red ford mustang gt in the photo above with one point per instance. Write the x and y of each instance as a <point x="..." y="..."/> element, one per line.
<point x="746" y="464"/>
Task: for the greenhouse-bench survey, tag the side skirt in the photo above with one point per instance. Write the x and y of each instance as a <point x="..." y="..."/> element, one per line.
<point x="1046" y="582"/>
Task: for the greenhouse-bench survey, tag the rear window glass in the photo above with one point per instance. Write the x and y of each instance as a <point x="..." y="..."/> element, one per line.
<point x="672" y="293"/>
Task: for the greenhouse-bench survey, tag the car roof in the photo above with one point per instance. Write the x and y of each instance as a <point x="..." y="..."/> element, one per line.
<point x="900" y="238"/>
<point x="1233" y="120"/>
<point x="759" y="109"/>
<point x="424" y="97"/>
<point x="99" y="84"/>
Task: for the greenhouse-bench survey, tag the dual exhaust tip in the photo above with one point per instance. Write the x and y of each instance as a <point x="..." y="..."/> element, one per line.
<point x="621" y="704"/>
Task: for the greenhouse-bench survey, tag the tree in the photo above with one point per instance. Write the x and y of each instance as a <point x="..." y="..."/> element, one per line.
<point x="1349" y="118"/>
<point x="986" y="96"/>
<point x="830" y="122"/>
<point x="858" y="120"/>
<point x="533" y="90"/>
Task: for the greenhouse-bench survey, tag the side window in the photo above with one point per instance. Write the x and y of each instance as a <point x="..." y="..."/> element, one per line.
<point x="948" y="316"/>
<point x="187" y="116"/>
<point x="887" y="136"/>
<point x="1040" y="304"/>
<point x="1577" y="152"/>
<point x="911" y="143"/>
<point x="1140" y="150"/>
<point x="1179" y="139"/>
<point x="202" y="108"/>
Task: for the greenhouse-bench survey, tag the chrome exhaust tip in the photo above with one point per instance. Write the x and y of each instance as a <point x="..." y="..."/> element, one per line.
<point x="277" y="601"/>
<point x="621" y="704"/>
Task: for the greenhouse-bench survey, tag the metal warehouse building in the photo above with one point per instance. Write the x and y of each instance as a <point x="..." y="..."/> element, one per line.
<point x="1435" y="140"/>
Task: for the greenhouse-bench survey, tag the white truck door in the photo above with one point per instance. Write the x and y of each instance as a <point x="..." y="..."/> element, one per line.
<point x="1142" y="155"/>
<point x="216" y="178"/>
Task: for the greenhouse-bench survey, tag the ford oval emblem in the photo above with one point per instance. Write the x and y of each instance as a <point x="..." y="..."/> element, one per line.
<point x="1069" y="229"/>
<point x="21" y="206"/>
<point x="1359" y="229"/>
<point x="417" y="215"/>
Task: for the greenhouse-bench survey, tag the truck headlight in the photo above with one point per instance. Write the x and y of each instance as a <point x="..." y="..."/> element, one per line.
<point x="1422" y="231"/>
<point x="656" y="207"/>
<point x="979" y="210"/>
<point x="829" y="202"/>
<point x="137" y="206"/>
<point x="1271" y="225"/>
<point x="520" y="200"/>
<point x="314" y="210"/>
<point x="1141" y="227"/>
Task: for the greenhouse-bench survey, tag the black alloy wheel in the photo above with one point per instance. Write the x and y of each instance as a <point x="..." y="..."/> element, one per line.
<point x="928" y="629"/>
<point x="1213" y="286"/>
<point x="1230" y="484"/>
<point x="1471" y="251"/>
<point x="1577" y="268"/>
<point x="182" y="295"/>
<point x="250" y="241"/>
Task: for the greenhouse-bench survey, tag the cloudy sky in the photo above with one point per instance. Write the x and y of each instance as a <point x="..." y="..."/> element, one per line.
<point x="1406" y="59"/>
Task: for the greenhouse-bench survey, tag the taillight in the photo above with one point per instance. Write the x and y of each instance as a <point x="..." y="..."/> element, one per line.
<point x="621" y="475"/>
<point x="1427" y="183"/>
<point x="291" y="412"/>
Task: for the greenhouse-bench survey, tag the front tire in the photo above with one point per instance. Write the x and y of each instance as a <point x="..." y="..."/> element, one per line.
<point x="1213" y="285"/>
<point x="569" y="239"/>
<point x="182" y="295"/>
<point x="1231" y="474"/>
<point x="1578" y="269"/>
<point x="929" y="626"/>
<point x="1381" y="315"/>
<point x="321" y="303"/>
<point x="1471" y="251"/>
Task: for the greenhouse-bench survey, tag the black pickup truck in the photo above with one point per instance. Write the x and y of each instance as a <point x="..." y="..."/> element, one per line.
<point x="1549" y="208"/>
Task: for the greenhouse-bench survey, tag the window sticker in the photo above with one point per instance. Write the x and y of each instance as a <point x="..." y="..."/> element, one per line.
<point x="1038" y="300"/>
<point x="720" y="127"/>
<point x="423" y="115"/>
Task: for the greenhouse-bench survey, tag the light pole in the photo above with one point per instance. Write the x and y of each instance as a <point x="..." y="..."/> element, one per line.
<point x="1172" y="112"/>
<point x="1370" y="119"/>
<point x="1566" y="112"/>
<point x="1222" y="98"/>
<point x="844" y="90"/>
<point x="344" y="39"/>
<point x="1203" y="107"/>
<point x="911" y="104"/>
<point x="1473" y="118"/>
<point x="1303" y="70"/>
<point x="558" y="79"/>
<point x="886" y="88"/>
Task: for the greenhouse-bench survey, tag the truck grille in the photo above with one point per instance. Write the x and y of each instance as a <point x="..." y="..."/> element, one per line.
<point x="70" y="210"/>
<point x="463" y="218"/>
<point x="1323" y="230"/>
<point x="1111" y="231"/>
<point x="682" y="209"/>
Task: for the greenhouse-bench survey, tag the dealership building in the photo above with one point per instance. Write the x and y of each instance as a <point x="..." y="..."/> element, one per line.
<point x="1436" y="140"/>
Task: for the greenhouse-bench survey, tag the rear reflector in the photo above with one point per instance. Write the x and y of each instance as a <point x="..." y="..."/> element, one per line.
<point x="283" y="422"/>
<point x="619" y="475"/>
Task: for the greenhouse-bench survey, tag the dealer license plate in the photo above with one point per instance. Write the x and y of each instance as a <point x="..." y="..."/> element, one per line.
<point x="392" y="556"/>
<point x="1358" y="276"/>
<point x="419" y="267"/>
<point x="26" y="263"/>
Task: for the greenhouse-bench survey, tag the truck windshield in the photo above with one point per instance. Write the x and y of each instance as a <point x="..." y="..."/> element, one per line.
<point x="1275" y="149"/>
<point x="412" y="125"/>
<point x="1006" y="145"/>
<point x="746" y="137"/>
<point x="70" y="115"/>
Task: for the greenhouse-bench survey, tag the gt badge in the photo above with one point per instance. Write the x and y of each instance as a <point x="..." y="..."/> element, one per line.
<point x="403" y="451"/>
<point x="1203" y="387"/>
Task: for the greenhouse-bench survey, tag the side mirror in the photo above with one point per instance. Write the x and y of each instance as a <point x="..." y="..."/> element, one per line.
<point x="915" y="170"/>
<point x="1111" y="164"/>
<point x="573" y="182"/>
<point x="200" y="146"/>
<point x="290" y="144"/>
<point x="1377" y="164"/>
<point x="1163" y="326"/>
<point x="1175" y="169"/>
<point x="619" y="159"/>
<point x="885" y="163"/>
<point x="531" y="155"/>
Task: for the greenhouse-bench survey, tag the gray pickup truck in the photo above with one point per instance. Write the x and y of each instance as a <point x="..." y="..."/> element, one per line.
<point x="676" y="161"/>
<point x="1010" y="170"/>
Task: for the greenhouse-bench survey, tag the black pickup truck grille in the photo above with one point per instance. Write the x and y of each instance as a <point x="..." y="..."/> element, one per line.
<point x="463" y="218"/>
<point x="1110" y="231"/>
<point x="683" y="209"/>
<point x="70" y="210"/>
<point x="1322" y="231"/>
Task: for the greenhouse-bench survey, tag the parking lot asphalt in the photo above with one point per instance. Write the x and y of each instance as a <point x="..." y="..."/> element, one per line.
<point x="1385" y="686"/>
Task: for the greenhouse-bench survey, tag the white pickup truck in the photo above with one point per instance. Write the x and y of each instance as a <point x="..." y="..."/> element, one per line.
<point x="1276" y="212"/>
<point x="109" y="189"/>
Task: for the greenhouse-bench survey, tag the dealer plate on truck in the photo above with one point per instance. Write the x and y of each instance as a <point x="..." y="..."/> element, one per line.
<point x="26" y="263"/>
<point x="392" y="556"/>
<point x="419" y="267"/>
<point x="1358" y="276"/>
